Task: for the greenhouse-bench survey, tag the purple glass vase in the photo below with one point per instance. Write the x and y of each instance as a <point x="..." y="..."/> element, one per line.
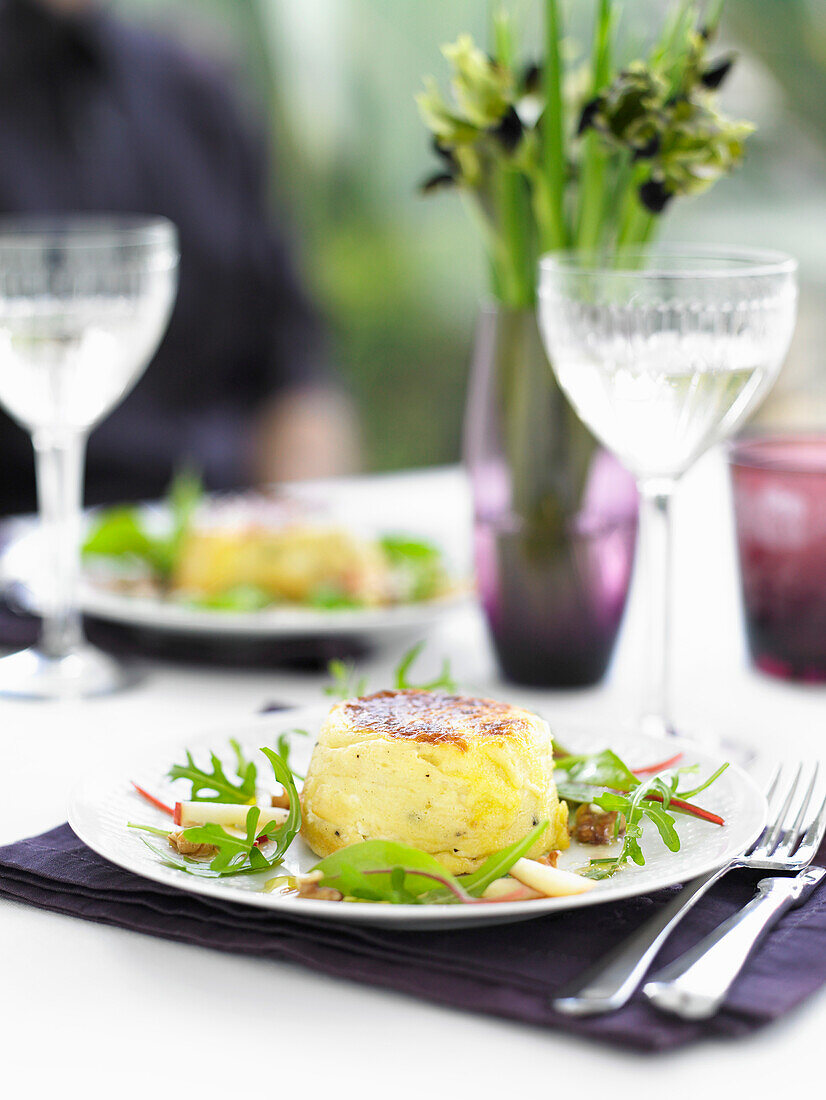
<point x="555" y="515"/>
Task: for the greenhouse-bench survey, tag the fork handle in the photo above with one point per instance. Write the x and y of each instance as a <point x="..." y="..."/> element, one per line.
<point x="695" y="985"/>
<point x="609" y="985"/>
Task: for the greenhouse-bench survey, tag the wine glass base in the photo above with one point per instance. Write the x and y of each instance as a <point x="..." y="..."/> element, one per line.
<point x="31" y="674"/>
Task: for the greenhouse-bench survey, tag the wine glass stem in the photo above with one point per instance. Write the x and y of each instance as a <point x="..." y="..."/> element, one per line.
<point x="656" y="570"/>
<point x="59" y="470"/>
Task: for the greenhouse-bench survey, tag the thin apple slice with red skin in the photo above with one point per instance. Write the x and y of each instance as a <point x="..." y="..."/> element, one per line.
<point x="227" y="814"/>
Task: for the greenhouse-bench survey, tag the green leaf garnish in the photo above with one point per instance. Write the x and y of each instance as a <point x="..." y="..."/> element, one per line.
<point x="382" y="870"/>
<point x="418" y="564"/>
<point x="345" y="685"/>
<point x="330" y="598"/>
<point x="122" y="533"/>
<point x="604" y="780"/>
<point x="240" y="597"/>
<point x="238" y="855"/>
<point x="443" y="682"/>
<point x="216" y="786"/>
<point x="498" y="865"/>
<point x="284" y="747"/>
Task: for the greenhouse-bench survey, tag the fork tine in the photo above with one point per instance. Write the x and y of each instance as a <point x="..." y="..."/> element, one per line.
<point x="771" y="789"/>
<point x="773" y="835"/>
<point x="772" y="784"/>
<point x="814" y="835"/>
<point x="789" y="841"/>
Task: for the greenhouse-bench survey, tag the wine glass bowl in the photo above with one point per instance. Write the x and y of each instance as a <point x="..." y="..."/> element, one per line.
<point x="662" y="353"/>
<point x="84" y="301"/>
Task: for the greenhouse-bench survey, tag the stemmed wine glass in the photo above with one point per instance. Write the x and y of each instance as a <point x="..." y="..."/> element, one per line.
<point x="84" y="301"/>
<point x="663" y="353"/>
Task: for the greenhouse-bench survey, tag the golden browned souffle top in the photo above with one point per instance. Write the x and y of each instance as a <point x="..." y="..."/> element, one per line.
<point x="433" y="717"/>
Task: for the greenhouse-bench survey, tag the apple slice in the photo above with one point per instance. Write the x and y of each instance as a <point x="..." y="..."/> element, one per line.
<point x="508" y="889"/>
<point x="550" y="881"/>
<point x="227" y="814"/>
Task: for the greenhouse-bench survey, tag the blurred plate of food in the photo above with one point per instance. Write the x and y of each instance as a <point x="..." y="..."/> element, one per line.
<point x="268" y="564"/>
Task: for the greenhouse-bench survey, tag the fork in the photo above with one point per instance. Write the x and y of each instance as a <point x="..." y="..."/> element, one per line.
<point x="609" y="984"/>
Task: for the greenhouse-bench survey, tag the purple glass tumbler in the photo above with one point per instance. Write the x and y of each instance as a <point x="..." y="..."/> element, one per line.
<point x="779" y="486"/>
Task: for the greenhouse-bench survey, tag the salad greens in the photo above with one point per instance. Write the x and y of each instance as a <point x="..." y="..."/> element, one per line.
<point x="284" y="747"/>
<point x="417" y="563"/>
<point x="234" y="855"/>
<point x="443" y="682"/>
<point x="216" y="786"/>
<point x="122" y="532"/>
<point x="347" y="685"/>
<point x="382" y="870"/>
<point x="602" y="779"/>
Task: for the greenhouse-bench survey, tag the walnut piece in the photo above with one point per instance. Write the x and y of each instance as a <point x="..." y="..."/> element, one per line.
<point x="282" y="801"/>
<point x="594" y="826"/>
<point x="189" y="848"/>
<point x="310" y="889"/>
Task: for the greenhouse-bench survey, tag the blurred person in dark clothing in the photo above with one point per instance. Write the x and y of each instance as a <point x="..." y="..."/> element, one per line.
<point x="96" y="116"/>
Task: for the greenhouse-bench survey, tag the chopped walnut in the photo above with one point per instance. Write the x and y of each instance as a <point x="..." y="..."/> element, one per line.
<point x="594" y="826"/>
<point x="311" y="889"/>
<point x="550" y="858"/>
<point x="189" y="848"/>
<point x="282" y="801"/>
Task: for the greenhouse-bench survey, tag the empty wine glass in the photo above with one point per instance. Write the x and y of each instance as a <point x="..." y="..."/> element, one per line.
<point x="663" y="353"/>
<point x="84" y="301"/>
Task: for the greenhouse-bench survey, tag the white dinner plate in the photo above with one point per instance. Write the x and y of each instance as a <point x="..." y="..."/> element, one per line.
<point x="104" y="803"/>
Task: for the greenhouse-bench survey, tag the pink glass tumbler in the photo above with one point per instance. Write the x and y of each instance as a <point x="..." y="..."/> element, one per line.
<point x="779" y="485"/>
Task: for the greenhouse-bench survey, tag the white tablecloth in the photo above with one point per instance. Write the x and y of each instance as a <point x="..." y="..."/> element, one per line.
<point x="108" y="1009"/>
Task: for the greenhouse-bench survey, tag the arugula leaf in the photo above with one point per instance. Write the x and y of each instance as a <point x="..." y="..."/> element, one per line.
<point x="284" y="748"/>
<point x="331" y="598"/>
<point x="121" y="532"/>
<point x="238" y="855"/>
<point x="234" y="853"/>
<point x="602" y="769"/>
<point x="217" y="785"/>
<point x="443" y="682"/>
<point x="418" y="564"/>
<point x="240" y="597"/>
<point x="288" y="831"/>
<point x="345" y="685"/>
<point x="184" y="495"/>
<point x="498" y="865"/>
<point x="702" y="787"/>
<point x="604" y="780"/>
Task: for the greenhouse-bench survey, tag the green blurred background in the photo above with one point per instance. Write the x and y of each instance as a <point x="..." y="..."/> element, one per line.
<point x="399" y="277"/>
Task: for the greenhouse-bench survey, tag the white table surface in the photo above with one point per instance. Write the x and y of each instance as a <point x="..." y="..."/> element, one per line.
<point x="116" y="1010"/>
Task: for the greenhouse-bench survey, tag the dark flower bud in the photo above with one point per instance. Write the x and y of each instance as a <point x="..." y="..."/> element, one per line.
<point x="437" y="182"/>
<point x="717" y="72"/>
<point x="655" y="196"/>
<point x="443" y="153"/>
<point x="509" y="131"/>
<point x="649" y="149"/>
<point x="589" y="112"/>
<point x="532" y="80"/>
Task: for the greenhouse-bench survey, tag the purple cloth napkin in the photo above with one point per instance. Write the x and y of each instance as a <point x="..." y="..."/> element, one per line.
<point x="506" y="970"/>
